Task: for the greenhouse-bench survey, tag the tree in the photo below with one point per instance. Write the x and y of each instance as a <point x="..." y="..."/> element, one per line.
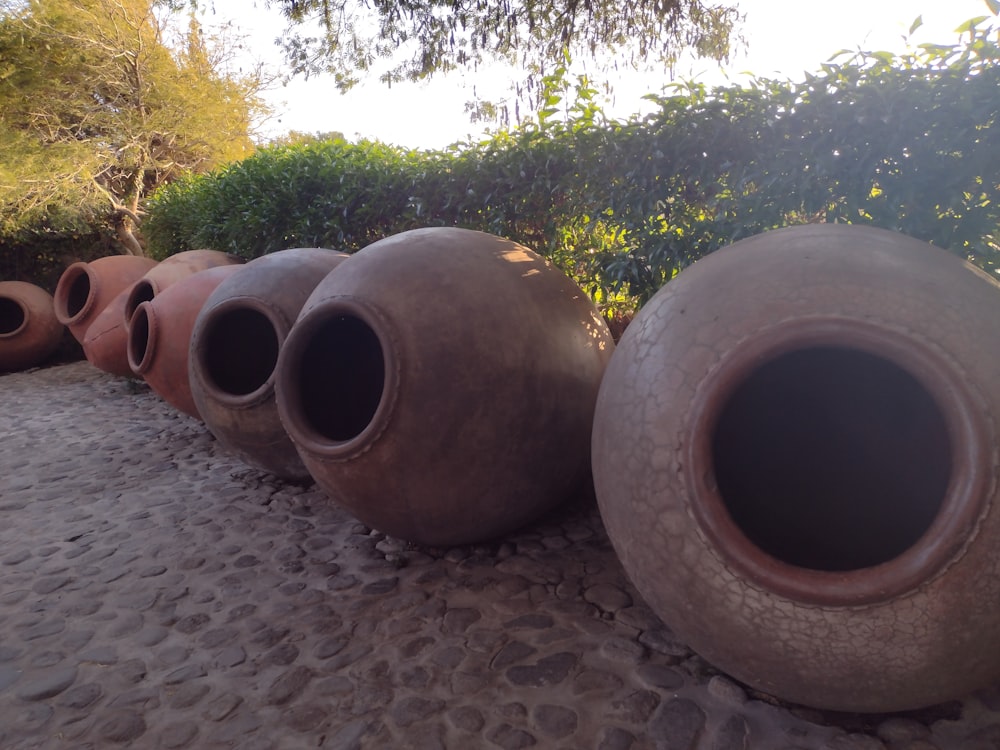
<point x="426" y="37"/>
<point x="906" y="142"/>
<point x="96" y="111"/>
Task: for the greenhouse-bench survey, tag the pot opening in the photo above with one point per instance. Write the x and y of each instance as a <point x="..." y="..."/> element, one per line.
<point x="141" y="292"/>
<point x="12" y="316"/>
<point x="239" y="351"/>
<point x="79" y="293"/>
<point x="341" y="378"/>
<point x="831" y="458"/>
<point x="138" y="339"/>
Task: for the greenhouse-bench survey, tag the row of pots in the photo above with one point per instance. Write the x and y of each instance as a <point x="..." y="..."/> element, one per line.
<point x="29" y="329"/>
<point x="484" y="357"/>
<point x="97" y="301"/>
<point x="793" y="446"/>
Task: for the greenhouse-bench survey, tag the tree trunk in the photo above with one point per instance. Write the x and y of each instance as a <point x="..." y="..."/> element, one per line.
<point x="127" y="219"/>
<point x="126" y="236"/>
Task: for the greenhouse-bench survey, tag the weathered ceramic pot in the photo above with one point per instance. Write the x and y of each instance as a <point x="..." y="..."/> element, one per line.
<point x="173" y="269"/>
<point x="85" y="289"/>
<point x="234" y="352"/>
<point x="440" y="384"/>
<point x="29" y="330"/>
<point x="795" y="456"/>
<point x="159" y="336"/>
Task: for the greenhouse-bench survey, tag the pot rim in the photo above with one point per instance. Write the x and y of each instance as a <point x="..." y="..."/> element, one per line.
<point x="290" y="406"/>
<point x="279" y="323"/>
<point x="68" y="278"/>
<point x="148" y="313"/>
<point x="966" y="499"/>
<point x="132" y="297"/>
<point x="25" y="318"/>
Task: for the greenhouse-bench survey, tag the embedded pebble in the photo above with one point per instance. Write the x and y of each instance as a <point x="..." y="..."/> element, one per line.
<point x="47" y="684"/>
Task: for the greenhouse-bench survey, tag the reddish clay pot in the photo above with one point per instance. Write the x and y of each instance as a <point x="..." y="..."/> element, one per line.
<point x="795" y="457"/>
<point x="106" y="340"/>
<point x="85" y="289"/>
<point x="160" y="335"/>
<point x="171" y="270"/>
<point x="234" y="351"/>
<point x="440" y="384"/>
<point x="29" y="330"/>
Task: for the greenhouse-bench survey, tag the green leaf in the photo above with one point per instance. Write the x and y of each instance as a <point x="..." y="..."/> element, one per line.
<point x="971" y="24"/>
<point x="917" y="23"/>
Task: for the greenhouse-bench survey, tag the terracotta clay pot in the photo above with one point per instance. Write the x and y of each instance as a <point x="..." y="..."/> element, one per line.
<point x="234" y="351"/>
<point x="795" y="456"/>
<point x="440" y="384"/>
<point x="160" y="335"/>
<point x="171" y="270"/>
<point x="85" y="289"/>
<point x="29" y="330"/>
<point x="106" y="340"/>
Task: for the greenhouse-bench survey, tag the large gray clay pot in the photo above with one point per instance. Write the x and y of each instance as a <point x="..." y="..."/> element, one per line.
<point x="795" y="457"/>
<point x="441" y="382"/>
<point x="234" y="351"/>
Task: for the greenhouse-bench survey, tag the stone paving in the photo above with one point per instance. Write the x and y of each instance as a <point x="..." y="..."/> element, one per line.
<point x="156" y="593"/>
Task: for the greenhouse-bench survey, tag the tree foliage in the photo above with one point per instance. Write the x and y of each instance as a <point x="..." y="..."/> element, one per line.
<point x="421" y="38"/>
<point x="905" y="142"/>
<point x="96" y="111"/>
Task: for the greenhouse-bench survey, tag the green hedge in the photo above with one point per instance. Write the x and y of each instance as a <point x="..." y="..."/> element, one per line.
<point x="909" y="143"/>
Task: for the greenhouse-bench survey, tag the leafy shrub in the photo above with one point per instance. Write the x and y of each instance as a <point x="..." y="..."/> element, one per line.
<point x="905" y="142"/>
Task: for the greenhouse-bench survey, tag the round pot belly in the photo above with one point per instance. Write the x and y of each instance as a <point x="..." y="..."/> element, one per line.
<point x="440" y="384"/>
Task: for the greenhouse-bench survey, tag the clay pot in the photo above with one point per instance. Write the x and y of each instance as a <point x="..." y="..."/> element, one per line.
<point x="85" y="289"/>
<point x="440" y="384"/>
<point x="171" y="270"/>
<point x="106" y="340"/>
<point x="29" y="330"/>
<point x="160" y="335"/>
<point x="795" y="457"/>
<point x="234" y="351"/>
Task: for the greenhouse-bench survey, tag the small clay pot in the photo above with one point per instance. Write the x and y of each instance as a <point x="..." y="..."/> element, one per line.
<point x="29" y="330"/>
<point x="173" y="269"/>
<point x="234" y="351"/>
<point x="85" y="289"/>
<point x="160" y="335"/>
<point x="440" y="384"/>
<point x="795" y="455"/>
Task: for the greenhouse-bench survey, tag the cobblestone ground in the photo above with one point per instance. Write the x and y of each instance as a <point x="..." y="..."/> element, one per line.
<point x="156" y="593"/>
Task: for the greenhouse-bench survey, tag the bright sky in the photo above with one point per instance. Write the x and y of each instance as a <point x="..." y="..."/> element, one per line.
<point x="784" y="39"/>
